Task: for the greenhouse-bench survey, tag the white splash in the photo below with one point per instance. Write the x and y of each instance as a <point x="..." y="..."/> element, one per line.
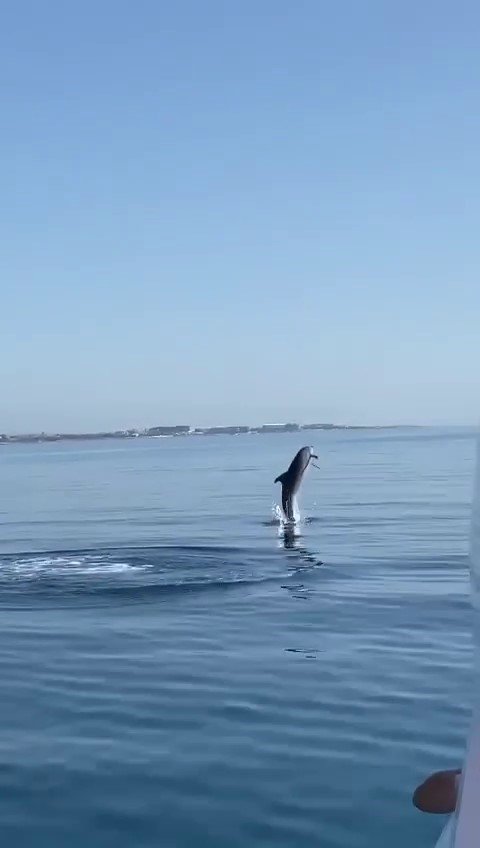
<point x="34" y="567"/>
<point x="283" y="523"/>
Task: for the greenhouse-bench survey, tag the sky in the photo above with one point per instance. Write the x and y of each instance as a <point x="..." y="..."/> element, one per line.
<point x="216" y="212"/>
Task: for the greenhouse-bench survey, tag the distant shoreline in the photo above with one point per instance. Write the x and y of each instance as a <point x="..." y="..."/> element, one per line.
<point x="186" y="431"/>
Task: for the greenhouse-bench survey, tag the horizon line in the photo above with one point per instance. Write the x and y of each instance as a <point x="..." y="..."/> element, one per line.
<point x="187" y="429"/>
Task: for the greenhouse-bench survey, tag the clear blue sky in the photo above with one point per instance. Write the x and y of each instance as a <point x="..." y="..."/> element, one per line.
<point x="218" y="212"/>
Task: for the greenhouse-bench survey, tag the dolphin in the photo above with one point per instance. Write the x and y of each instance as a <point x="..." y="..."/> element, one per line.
<point x="291" y="479"/>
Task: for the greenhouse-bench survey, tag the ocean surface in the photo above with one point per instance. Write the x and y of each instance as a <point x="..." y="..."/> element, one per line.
<point x="176" y="671"/>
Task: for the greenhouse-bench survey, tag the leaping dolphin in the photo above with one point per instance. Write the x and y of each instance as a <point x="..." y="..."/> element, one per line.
<point x="292" y="478"/>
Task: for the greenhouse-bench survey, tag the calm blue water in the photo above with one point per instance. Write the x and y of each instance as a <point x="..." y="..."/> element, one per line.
<point x="175" y="673"/>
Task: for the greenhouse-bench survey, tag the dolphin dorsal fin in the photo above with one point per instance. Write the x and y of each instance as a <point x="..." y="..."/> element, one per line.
<point x="280" y="478"/>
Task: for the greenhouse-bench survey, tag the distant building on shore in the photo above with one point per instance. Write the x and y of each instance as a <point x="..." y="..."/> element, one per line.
<point x="215" y="431"/>
<point x="178" y="430"/>
<point x="276" y="428"/>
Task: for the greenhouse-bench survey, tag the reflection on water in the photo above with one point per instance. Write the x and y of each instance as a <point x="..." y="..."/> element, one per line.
<point x="289" y="537"/>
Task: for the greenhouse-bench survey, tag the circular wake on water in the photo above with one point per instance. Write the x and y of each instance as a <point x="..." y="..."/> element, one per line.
<point x="135" y="573"/>
<point x="143" y="572"/>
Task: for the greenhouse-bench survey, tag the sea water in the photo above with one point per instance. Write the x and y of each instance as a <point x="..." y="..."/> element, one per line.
<point x="176" y="671"/>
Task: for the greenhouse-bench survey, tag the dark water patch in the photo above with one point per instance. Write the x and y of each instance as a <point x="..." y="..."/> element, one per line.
<point x="308" y="653"/>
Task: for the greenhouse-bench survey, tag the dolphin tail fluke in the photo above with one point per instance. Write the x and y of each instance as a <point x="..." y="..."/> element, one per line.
<point x="280" y="478"/>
